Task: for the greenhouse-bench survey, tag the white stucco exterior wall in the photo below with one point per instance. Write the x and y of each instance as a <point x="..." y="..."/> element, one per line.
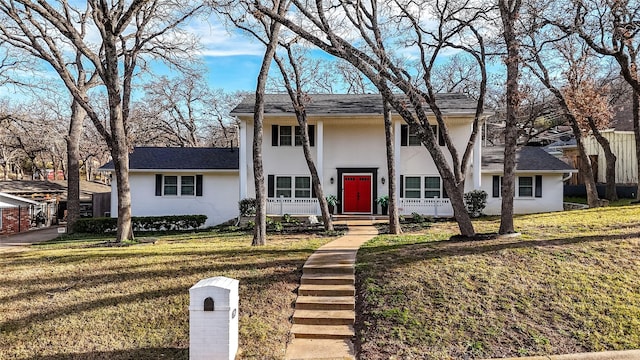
<point x="551" y="200"/>
<point x="219" y="200"/>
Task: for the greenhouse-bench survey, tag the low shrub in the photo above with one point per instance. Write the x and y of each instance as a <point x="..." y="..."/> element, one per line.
<point x="476" y="201"/>
<point x="142" y="223"/>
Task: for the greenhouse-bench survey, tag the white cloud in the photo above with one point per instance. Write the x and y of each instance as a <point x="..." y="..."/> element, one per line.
<point x="217" y="41"/>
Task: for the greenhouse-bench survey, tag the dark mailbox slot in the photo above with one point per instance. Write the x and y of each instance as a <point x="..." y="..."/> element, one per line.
<point x="208" y="304"/>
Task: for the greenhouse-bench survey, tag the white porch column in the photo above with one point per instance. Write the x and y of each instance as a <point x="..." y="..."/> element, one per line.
<point x="477" y="160"/>
<point x="243" y="159"/>
<point x="397" y="141"/>
<point x="320" y="150"/>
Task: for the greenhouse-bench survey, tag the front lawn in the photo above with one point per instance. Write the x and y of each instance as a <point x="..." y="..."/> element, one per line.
<point x="570" y="283"/>
<point x="82" y="300"/>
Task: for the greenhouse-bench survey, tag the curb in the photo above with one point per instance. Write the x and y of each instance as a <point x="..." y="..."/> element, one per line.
<point x="605" y="355"/>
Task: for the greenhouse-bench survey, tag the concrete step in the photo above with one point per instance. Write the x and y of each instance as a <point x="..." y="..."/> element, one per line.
<point x="320" y="349"/>
<point x="325" y="303"/>
<point x="328" y="279"/>
<point x="326" y="290"/>
<point x="300" y="331"/>
<point x="324" y="317"/>
<point x="328" y="269"/>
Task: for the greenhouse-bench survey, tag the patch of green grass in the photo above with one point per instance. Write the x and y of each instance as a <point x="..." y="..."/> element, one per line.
<point x="570" y="283"/>
<point x="79" y="299"/>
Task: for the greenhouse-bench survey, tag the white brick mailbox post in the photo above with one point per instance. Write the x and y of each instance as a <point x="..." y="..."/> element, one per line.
<point x="213" y="319"/>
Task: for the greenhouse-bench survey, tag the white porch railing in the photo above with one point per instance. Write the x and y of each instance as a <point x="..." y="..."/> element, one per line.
<point x="281" y="206"/>
<point x="429" y="207"/>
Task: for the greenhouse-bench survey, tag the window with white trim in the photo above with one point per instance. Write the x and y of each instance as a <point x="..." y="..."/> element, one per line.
<point x="298" y="187"/>
<point x="0" y="219"/>
<point x="412" y="187"/>
<point x="178" y="185"/>
<point x="170" y="185"/>
<point x="422" y="187"/>
<point x="432" y="187"/>
<point x="525" y="186"/>
<point x="283" y="186"/>
<point x="187" y="185"/>
<point x="287" y="135"/>
<point x="303" y="187"/>
<point x="409" y="138"/>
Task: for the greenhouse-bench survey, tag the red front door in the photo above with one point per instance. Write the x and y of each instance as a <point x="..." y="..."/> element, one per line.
<point x="357" y="194"/>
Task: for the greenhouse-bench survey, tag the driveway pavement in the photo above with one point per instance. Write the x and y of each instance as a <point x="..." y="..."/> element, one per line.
<point x="28" y="237"/>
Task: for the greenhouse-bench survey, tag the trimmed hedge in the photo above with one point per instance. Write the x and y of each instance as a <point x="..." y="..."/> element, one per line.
<point x="142" y="223"/>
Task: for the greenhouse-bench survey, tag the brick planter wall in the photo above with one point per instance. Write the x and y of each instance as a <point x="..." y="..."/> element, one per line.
<point x="10" y="222"/>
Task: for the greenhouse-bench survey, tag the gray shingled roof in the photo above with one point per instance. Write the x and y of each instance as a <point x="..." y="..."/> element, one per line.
<point x="325" y="104"/>
<point x="168" y="158"/>
<point x="528" y="158"/>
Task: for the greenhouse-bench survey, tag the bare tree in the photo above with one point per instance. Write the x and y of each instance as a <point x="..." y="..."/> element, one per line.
<point x="125" y="31"/>
<point x="329" y="27"/>
<point x="545" y="46"/>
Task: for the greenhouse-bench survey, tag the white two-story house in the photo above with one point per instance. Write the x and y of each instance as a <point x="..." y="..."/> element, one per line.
<point x="348" y="147"/>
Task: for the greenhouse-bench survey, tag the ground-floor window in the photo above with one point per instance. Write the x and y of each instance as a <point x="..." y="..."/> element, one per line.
<point x="527" y="186"/>
<point x="178" y="185"/>
<point x="289" y="186"/>
<point x="425" y="187"/>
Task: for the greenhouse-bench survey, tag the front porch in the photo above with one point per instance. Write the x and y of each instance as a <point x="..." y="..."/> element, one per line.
<point x="427" y="207"/>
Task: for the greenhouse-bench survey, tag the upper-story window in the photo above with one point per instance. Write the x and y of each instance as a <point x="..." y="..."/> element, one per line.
<point x="287" y="135"/>
<point x="409" y="138"/>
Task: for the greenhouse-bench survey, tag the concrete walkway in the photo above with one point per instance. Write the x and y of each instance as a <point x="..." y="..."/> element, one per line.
<point x="325" y="308"/>
<point x="28" y="237"/>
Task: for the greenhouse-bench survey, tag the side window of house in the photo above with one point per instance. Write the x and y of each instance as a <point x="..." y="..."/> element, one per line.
<point x="527" y="186"/>
<point x="187" y="185"/>
<point x="0" y="219"/>
<point x="174" y="185"/>
<point x="285" y="135"/>
<point x="170" y="185"/>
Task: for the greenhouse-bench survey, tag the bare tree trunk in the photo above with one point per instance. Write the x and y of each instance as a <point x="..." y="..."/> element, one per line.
<point x="260" y="231"/>
<point x="121" y="164"/>
<point x="636" y="132"/>
<point x="394" y="221"/>
<point x="73" y="159"/>
<point x="585" y="167"/>
<point x="610" y="193"/>
<point x="509" y="11"/>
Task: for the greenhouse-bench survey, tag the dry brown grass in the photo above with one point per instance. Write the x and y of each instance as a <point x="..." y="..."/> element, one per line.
<point x="82" y="301"/>
<point x="571" y="283"/>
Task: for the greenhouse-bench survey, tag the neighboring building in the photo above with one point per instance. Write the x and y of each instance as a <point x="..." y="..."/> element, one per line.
<point x="348" y="147"/>
<point x="16" y="213"/>
<point x="182" y="181"/>
<point x="622" y="140"/>
<point x="53" y="194"/>
<point x="539" y="180"/>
